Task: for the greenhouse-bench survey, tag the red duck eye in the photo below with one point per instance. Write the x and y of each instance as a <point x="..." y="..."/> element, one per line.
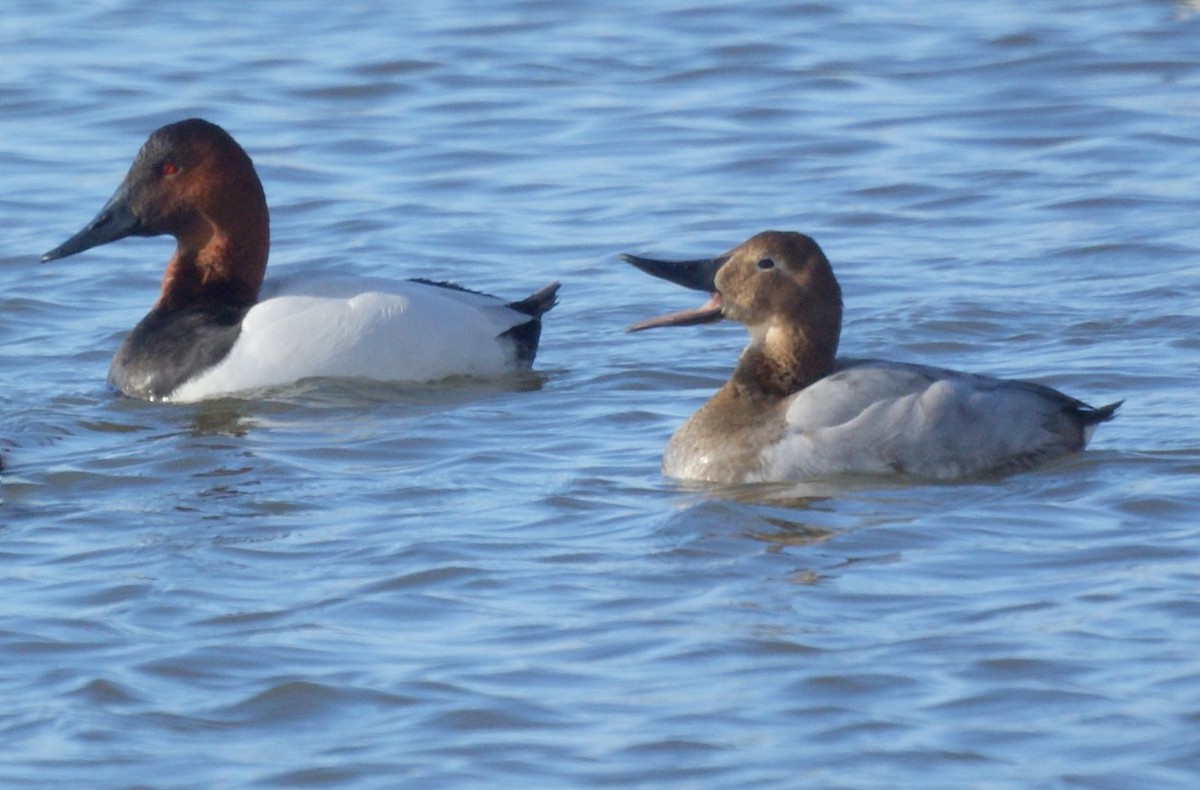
<point x="168" y="168"/>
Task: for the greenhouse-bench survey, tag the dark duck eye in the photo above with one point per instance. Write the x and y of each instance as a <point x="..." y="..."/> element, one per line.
<point x="766" y="263"/>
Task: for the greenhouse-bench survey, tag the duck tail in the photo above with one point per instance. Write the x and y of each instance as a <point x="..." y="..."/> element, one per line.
<point x="1094" y="416"/>
<point x="526" y="335"/>
<point x="537" y="304"/>
<point x="1089" y="417"/>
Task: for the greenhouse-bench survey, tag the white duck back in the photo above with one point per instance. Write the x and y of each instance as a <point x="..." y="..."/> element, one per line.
<point x="893" y="418"/>
<point x="372" y="328"/>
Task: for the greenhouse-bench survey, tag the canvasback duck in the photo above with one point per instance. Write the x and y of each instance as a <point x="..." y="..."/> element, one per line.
<point x="217" y="330"/>
<point x="792" y="410"/>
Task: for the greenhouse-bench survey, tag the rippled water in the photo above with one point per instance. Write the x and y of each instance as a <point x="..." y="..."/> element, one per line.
<point x="491" y="584"/>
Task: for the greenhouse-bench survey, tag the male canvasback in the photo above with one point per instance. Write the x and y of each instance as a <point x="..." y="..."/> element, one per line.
<point x="212" y="332"/>
<point x="792" y="410"/>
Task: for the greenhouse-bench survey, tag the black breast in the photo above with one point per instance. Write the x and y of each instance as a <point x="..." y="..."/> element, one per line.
<point x="168" y="347"/>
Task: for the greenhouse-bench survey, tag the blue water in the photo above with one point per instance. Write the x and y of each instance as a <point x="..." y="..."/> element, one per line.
<point x="490" y="584"/>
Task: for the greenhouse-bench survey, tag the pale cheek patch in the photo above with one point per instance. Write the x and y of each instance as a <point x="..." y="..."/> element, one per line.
<point x="779" y="340"/>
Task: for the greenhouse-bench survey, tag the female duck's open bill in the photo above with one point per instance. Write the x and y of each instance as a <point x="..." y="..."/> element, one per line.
<point x="698" y="275"/>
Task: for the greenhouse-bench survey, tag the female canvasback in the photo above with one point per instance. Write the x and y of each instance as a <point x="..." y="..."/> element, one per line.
<point x="212" y="332"/>
<point x="792" y="410"/>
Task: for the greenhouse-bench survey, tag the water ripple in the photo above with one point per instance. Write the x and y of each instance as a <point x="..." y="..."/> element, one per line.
<point x="472" y="584"/>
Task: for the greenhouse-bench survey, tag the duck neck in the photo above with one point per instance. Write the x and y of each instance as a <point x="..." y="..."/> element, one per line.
<point x="218" y="261"/>
<point x="781" y="361"/>
<point x="776" y="365"/>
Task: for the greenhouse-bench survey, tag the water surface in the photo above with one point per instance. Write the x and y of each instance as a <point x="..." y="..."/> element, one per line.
<point x="490" y="584"/>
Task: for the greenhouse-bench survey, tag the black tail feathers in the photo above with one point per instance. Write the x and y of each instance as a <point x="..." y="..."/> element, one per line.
<point x="537" y="304"/>
<point x="1094" y="416"/>
<point x="525" y="336"/>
